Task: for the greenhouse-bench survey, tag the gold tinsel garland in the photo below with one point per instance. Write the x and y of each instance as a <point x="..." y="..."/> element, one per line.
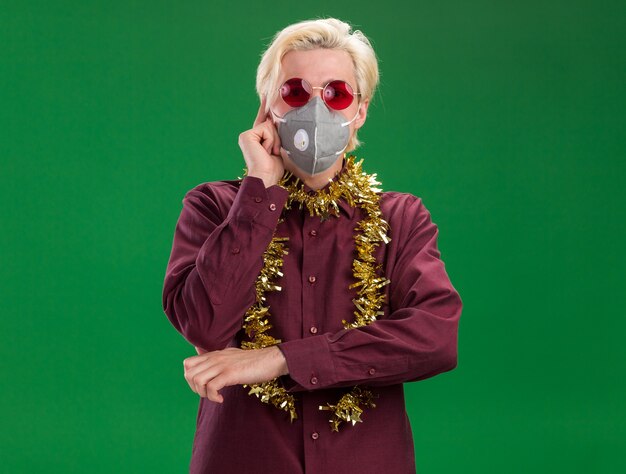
<point x="358" y="188"/>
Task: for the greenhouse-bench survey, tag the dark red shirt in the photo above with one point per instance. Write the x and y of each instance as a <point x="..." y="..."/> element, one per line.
<point x="223" y="230"/>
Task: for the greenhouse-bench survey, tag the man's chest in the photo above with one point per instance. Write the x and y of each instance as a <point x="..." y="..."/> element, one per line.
<point x="317" y="273"/>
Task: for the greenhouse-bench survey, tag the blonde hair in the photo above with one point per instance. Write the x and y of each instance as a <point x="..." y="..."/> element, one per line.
<point x="329" y="33"/>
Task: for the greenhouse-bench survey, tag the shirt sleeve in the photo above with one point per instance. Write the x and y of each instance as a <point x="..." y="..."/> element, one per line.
<point x="210" y="277"/>
<point x="417" y="340"/>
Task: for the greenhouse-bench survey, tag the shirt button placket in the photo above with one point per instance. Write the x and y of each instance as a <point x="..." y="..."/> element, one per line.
<point x="312" y="266"/>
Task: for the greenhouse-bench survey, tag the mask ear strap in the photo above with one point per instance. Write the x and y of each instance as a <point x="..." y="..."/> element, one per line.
<point x="350" y="121"/>
<point x="342" y="150"/>
<point x="280" y="119"/>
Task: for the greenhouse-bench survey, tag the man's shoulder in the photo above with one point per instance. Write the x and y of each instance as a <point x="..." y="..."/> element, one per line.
<point x="219" y="190"/>
<point x="401" y="203"/>
<point x="214" y="198"/>
<point x="406" y="214"/>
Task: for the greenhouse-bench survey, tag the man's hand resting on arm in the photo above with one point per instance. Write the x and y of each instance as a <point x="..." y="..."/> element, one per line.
<point x="209" y="372"/>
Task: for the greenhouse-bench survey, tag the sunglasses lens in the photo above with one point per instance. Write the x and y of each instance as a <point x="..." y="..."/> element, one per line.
<point x="295" y="92"/>
<point x="338" y="95"/>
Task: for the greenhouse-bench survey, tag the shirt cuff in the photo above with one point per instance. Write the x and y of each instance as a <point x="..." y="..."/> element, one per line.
<point x="257" y="203"/>
<point x="309" y="362"/>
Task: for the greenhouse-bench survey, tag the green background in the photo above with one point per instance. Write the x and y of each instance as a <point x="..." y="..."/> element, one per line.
<point x="505" y="117"/>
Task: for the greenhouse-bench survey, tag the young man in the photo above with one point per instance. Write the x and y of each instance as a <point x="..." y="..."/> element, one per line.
<point x="310" y="295"/>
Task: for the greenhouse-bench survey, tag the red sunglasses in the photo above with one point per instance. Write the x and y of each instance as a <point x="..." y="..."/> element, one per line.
<point x="336" y="94"/>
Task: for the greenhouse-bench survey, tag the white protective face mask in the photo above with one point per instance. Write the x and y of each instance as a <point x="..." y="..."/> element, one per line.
<point x="314" y="136"/>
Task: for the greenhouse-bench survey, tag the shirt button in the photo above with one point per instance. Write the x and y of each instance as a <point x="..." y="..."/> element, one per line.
<point x="313" y="330"/>
<point x="315" y="435"/>
<point x="312" y="279"/>
<point x="272" y="207"/>
<point x="313" y="380"/>
<point x="313" y="232"/>
<point x="235" y="250"/>
<point x="372" y="371"/>
<point x="257" y="199"/>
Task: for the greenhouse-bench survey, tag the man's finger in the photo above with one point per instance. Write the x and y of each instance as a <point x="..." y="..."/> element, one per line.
<point x="190" y="382"/>
<point x="268" y="138"/>
<point x="276" y="146"/>
<point x="194" y="361"/>
<point x="215" y="385"/>
<point x="192" y="372"/>
<point x="201" y="379"/>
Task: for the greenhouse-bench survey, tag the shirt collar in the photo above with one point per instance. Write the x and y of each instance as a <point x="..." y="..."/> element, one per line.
<point x="347" y="209"/>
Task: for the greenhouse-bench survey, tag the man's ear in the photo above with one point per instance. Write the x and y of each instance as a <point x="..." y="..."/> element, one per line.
<point x="360" y="119"/>
<point x="261" y="115"/>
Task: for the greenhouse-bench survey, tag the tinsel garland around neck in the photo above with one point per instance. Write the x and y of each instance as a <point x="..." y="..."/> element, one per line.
<point x="359" y="189"/>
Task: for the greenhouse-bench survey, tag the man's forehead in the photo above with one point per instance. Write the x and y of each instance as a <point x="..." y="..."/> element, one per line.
<point x="320" y="67"/>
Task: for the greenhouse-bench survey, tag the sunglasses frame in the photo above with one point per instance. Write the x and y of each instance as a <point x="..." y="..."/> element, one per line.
<point x="318" y="87"/>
